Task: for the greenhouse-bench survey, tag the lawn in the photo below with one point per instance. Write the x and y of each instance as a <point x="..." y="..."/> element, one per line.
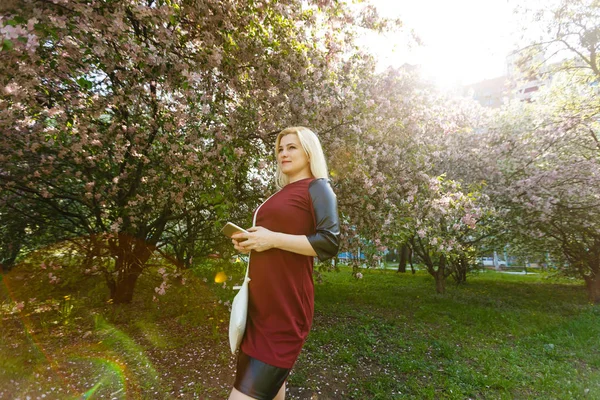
<point x="385" y="336"/>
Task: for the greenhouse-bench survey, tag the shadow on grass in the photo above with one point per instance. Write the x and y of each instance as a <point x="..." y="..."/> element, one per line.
<point x="72" y="346"/>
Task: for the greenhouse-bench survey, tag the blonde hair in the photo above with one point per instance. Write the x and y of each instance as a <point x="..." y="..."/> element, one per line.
<point x="312" y="147"/>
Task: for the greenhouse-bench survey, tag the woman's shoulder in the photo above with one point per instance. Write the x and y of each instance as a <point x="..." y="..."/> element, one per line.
<point x="320" y="186"/>
<point x="320" y="182"/>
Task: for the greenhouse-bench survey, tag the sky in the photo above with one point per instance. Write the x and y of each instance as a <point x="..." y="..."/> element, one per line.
<point x="464" y="41"/>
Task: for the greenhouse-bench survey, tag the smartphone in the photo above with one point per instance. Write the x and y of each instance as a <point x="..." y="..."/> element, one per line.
<point x="230" y="228"/>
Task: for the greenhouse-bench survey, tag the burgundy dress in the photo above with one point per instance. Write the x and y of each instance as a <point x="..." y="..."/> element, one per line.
<point x="281" y="291"/>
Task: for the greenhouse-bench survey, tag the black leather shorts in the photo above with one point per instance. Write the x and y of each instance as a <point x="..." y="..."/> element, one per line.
<point x="258" y="380"/>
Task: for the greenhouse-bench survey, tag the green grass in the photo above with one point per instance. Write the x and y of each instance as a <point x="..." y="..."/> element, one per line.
<point x="385" y="336"/>
<point x="500" y="336"/>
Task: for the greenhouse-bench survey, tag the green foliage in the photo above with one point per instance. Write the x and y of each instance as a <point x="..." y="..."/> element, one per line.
<point x="7" y="45"/>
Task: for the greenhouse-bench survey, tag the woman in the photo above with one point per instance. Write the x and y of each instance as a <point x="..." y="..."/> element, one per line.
<point x="294" y="225"/>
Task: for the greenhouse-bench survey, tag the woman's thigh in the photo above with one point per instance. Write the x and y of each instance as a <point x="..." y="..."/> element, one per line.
<point x="257" y="379"/>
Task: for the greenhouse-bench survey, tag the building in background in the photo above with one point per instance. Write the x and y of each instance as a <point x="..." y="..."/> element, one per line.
<point x="489" y="92"/>
<point x="515" y="84"/>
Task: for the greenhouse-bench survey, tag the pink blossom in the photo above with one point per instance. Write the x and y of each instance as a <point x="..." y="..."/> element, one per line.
<point x="114" y="227"/>
<point x="216" y="57"/>
<point x="469" y="220"/>
<point x="12" y="32"/>
<point x="31" y="24"/>
<point x="53" y="278"/>
<point x="32" y="42"/>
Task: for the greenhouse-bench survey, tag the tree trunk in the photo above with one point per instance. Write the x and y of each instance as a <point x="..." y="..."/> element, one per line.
<point x="130" y="258"/>
<point x="403" y="253"/>
<point x="440" y="282"/>
<point x="7" y="263"/>
<point x="592" y="284"/>
<point x="122" y="290"/>
<point x="440" y="276"/>
<point x="460" y="270"/>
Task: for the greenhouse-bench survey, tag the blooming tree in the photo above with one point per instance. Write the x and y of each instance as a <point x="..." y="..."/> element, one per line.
<point x="544" y="157"/>
<point x="549" y="158"/>
<point x="141" y="124"/>
<point x="569" y="36"/>
<point x="374" y="165"/>
<point x="441" y="144"/>
<point x="443" y="226"/>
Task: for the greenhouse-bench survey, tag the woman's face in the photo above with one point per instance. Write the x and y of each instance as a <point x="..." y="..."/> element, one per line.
<point x="292" y="159"/>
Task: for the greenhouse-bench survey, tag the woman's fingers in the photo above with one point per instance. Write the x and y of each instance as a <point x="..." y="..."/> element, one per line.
<point x="254" y="239"/>
<point x="238" y="246"/>
<point x="239" y="236"/>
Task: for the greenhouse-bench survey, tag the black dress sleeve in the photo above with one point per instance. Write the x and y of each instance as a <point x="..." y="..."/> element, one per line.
<point x="326" y="240"/>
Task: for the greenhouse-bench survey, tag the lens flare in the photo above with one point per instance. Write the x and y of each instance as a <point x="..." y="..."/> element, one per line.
<point x="113" y="377"/>
<point x="91" y="392"/>
<point x="220" y="277"/>
<point x="131" y="351"/>
<point x="38" y="348"/>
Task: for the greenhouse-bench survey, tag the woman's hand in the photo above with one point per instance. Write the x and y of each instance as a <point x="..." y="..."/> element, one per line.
<point x="238" y="247"/>
<point x="257" y="239"/>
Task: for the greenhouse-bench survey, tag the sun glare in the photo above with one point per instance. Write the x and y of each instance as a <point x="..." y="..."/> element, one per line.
<point x="464" y="41"/>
